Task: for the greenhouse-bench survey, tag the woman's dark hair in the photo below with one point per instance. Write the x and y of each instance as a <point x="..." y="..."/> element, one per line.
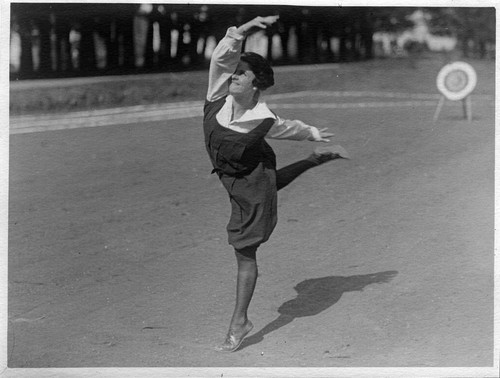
<point x="264" y="75"/>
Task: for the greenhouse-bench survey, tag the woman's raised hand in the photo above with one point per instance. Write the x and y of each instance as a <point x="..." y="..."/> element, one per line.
<point x="264" y="22"/>
<point x="257" y="23"/>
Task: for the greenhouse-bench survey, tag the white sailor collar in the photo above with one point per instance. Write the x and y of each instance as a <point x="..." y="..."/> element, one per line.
<point x="258" y="112"/>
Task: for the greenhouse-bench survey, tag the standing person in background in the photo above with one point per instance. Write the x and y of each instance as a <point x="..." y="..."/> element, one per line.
<point x="235" y="124"/>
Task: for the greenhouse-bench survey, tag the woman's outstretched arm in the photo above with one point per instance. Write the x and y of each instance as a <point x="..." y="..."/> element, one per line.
<point x="297" y="130"/>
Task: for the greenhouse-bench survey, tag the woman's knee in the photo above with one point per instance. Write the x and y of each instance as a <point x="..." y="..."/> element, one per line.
<point x="246" y="254"/>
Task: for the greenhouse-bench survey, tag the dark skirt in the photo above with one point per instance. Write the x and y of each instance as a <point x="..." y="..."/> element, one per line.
<point x="253" y="200"/>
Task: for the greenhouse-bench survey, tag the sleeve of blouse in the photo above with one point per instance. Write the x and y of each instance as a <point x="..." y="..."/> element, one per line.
<point x="223" y="63"/>
<point x="293" y="130"/>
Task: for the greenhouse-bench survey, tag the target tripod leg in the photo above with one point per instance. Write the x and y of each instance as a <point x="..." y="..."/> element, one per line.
<point x="439" y="107"/>
<point x="467" y="104"/>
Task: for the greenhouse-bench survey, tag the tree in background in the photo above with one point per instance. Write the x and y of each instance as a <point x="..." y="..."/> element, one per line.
<point x="473" y="27"/>
<point x="85" y="39"/>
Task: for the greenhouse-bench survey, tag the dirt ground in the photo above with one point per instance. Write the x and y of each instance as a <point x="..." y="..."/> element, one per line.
<point x="118" y="254"/>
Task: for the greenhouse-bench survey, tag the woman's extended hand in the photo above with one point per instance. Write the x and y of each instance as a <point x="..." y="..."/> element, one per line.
<point x="324" y="135"/>
<point x="257" y="23"/>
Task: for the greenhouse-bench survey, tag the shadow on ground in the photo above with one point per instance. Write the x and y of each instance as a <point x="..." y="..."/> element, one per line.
<point x="316" y="295"/>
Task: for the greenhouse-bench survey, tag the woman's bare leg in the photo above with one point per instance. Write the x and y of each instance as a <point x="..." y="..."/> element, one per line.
<point x="245" y="286"/>
<point x="240" y="326"/>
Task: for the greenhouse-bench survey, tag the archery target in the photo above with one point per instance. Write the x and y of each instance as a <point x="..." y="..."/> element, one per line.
<point x="456" y="80"/>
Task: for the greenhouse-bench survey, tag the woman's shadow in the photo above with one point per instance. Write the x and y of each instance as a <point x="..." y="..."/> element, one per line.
<point x="316" y="295"/>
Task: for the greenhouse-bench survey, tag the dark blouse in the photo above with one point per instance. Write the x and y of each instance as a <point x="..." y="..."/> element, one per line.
<point x="232" y="152"/>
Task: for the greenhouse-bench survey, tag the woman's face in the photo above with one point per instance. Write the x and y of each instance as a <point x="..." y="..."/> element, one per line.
<point x="242" y="81"/>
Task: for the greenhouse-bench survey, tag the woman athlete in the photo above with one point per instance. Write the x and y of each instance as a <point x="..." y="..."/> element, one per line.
<point x="236" y="123"/>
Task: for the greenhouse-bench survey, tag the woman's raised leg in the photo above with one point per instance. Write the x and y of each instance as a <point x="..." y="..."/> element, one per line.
<point x="286" y="175"/>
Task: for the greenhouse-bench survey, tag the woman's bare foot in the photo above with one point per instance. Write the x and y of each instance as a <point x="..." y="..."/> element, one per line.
<point x="234" y="338"/>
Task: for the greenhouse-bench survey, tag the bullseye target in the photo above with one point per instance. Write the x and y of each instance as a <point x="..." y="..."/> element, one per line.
<point x="456" y="80"/>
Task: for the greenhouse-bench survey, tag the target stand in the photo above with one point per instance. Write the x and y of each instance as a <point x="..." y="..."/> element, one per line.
<point x="456" y="81"/>
<point x="467" y="106"/>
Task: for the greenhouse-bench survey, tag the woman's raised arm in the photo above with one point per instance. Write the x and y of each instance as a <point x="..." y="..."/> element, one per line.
<point x="226" y="55"/>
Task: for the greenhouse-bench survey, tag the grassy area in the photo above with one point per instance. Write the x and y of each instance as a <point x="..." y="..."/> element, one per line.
<point x="400" y="75"/>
